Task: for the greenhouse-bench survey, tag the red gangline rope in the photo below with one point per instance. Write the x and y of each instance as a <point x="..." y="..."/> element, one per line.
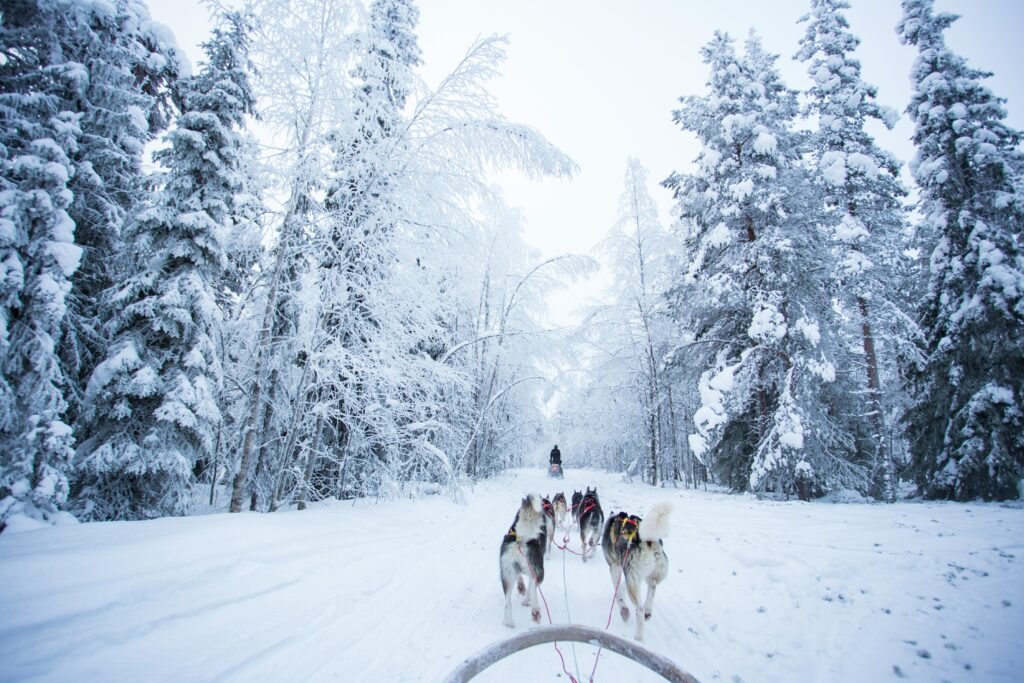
<point x="548" y="610"/>
<point x="611" y="610"/>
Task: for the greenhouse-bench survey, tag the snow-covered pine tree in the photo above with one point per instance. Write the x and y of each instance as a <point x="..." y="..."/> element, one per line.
<point x="966" y="425"/>
<point x="754" y="295"/>
<point x="153" y="400"/>
<point x="131" y="63"/>
<point x="863" y="211"/>
<point x="38" y="256"/>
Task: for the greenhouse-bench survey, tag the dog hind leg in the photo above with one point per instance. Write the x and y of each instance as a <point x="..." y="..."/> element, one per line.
<point x="506" y="585"/>
<point x="534" y="608"/>
<point x="649" y="603"/>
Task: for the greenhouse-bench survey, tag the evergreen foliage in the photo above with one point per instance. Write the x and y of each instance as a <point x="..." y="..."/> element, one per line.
<point x="754" y="294"/>
<point x="131" y="64"/>
<point x="38" y="257"/>
<point x="153" y="401"/>
<point x="863" y="217"/>
<point x="966" y="426"/>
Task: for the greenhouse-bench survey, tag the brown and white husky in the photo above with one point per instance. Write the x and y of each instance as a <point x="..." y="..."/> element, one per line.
<point x="640" y="552"/>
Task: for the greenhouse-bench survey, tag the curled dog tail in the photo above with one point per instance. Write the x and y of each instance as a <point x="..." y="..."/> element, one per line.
<point x="655" y="523"/>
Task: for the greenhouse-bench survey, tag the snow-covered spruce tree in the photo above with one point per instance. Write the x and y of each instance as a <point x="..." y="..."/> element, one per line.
<point x="966" y="425"/>
<point x="630" y="331"/>
<point x="38" y="256"/>
<point x="863" y="211"/>
<point x="131" y="63"/>
<point x="153" y="400"/>
<point x="755" y="295"/>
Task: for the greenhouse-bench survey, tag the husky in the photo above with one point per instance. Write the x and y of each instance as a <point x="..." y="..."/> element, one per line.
<point x="591" y="519"/>
<point x="641" y="554"/>
<point x="609" y="541"/>
<point x="577" y="498"/>
<point x="559" y="503"/>
<point x="522" y="553"/>
<point x="549" y="525"/>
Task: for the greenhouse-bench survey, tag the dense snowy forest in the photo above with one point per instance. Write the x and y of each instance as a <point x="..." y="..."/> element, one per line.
<point x="285" y="273"/>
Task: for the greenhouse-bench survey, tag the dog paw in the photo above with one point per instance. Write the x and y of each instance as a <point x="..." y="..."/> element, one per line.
<point x="508" y="622"/>
<point x="647" y="616"/>
<point x="624" y="613"/>
<point x="535" y="614"/>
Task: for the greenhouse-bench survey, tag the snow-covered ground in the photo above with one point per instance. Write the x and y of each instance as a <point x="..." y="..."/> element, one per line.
<point x="402" y="591"/>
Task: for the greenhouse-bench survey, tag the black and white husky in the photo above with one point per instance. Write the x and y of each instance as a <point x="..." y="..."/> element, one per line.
<point x="591" y="519"/>
<point x="522" y="555"/>
<point x="609" y="541"/>
<point x="549" y="524"/>
<point x="640" y="552"/>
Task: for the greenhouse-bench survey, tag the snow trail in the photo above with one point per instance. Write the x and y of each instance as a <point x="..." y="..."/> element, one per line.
<point x="402" y="591"/>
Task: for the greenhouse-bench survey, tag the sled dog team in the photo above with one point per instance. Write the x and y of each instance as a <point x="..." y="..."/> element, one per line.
<point x="632" y="547"/>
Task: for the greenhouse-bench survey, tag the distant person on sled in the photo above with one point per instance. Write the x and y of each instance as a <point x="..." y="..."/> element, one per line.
<point x="555" y="463"/>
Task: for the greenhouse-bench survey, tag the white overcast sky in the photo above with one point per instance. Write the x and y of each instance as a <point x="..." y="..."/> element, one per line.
<point x="600" y="78"/>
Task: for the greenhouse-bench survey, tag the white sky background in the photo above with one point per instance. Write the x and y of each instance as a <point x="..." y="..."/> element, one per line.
<point x="600" y="78"/>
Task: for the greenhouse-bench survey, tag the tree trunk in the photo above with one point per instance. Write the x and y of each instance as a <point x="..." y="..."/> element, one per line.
<point x="652" y="436"/>
<point x="263" y="359"/>
<point x="307" y="479"/>
<point x="678" y="468"/>
<point x="216" y="465"/>
<point x="883" y="454"/>
<point x="261" y="459"/>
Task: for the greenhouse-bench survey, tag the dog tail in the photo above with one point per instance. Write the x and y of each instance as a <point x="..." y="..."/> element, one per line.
<point x="655" y="523"/>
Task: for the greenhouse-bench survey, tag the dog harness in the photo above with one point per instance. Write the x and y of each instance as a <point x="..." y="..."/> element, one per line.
<point x="588" y="504"/>
<point x="629" y="533"/>
<point x="548" y="507"/>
